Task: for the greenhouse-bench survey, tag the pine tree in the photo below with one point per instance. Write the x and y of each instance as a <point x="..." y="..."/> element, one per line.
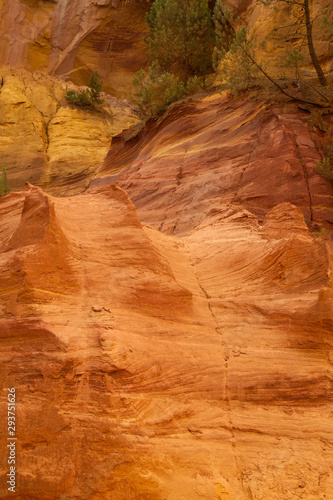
<point x="234" y="57"/>
<point x="203" y="40"/>
<point x="180" y="36"/>
<point x="224" y="32"/>
<point x="95" y="87"/>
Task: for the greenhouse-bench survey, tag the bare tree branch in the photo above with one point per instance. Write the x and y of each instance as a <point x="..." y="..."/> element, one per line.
<point x="317" y="104"/>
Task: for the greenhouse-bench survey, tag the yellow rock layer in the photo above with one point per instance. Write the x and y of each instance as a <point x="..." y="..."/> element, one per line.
<point x="47" y="141"/>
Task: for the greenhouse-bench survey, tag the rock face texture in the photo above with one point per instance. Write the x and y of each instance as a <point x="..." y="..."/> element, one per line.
<point x="74" y="38"/>
<point x="151" y="367"/>
<point x="45" y="140"/>
<point x="214" y="154"/>
<point x="275" y="26"/>
<point x="168" y="331"/>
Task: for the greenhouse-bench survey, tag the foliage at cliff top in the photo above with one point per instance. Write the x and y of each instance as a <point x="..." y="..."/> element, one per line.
<point x="87" y="97"/>
<point x="186" y="43"/>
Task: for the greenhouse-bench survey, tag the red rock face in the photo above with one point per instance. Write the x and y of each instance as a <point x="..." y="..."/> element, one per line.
<point x="215" y="154"/>
<point x="149" y="367"/>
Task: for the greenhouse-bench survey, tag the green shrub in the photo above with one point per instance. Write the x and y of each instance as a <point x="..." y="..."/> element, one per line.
<point x="322" y="232"/>
<point x="325" y="168"/>
<point x="4" y="188"/>
<point x="293" y="61"/>
<point x="157" y="90"/>
<point x="181" y="37"/>
<point x="95" y="87"/>
<point x="81" y="98"/>
<point x="87" y="97"/>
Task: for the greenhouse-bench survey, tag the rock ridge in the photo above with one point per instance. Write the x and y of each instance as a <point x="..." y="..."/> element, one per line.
<point x="216" y="153"/>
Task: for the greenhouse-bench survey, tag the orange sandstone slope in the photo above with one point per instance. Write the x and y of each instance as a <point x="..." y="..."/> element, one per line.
<point x="214" y="154"/>
<point x="153" y="367"/>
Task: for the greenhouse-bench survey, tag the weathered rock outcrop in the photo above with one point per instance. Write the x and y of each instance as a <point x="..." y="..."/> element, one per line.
<point x="74" y="38"/>
<point x="213" y="154"/>
<point x="151" y="367"/>
<point x="45" y="140"/>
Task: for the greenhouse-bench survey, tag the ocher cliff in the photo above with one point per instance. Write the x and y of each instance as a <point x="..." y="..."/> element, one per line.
<point x="166" y="313"/>
<point x="153" y="367"/>
<point x="66" y="38"/>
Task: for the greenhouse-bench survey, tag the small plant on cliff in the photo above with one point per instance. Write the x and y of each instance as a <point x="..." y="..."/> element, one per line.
<point x="325" y="168"/>
<point x="4" y="188"/>
<point x="80" y="98"/>
<point x="293" y="61"/>
<point x="87" y="97"/>
<point x="320" y="233"/>
<point x="95" y="87"/>
<point x="327" y="22"/>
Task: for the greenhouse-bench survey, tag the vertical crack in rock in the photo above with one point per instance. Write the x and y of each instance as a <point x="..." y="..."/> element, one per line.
<point x="226" y="390"/>
<point x="293" y="137"/>
<point x="47" y="140"/>
<point x="110" y="39"/>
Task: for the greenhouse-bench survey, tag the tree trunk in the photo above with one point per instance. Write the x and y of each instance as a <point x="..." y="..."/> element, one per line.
<point x="185" y="28"/>
<point x="313" y="54"/>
